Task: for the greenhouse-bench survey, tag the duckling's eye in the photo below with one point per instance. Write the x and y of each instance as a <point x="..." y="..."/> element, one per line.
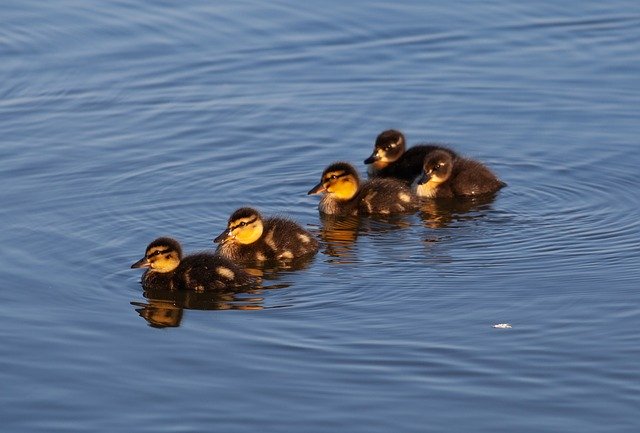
<point x="333" y="177"/>
<point x="243" y="223"/>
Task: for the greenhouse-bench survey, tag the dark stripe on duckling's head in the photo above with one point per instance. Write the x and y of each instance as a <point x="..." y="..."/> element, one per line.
<point x="243" y="212"/>
<point x="244" y="226"/>
<point x="245" y="221"/>
<point x="339" y="169"/>
<point x="166" y="244"/>
<point x="162" y="255"/>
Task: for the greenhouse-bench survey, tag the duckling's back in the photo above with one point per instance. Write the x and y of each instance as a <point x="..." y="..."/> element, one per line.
<point x="285" y="239"/>
<point x="470" y="178"/>
<point x="206" y="271"/>
<point x="385" y="196"/>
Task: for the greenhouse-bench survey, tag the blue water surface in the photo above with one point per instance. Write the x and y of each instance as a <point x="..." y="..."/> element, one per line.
<point x="122" y="121"/>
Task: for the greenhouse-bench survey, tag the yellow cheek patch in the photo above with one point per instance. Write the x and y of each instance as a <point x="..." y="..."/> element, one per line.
<point x="344" y="188"/>
<point x="165" y="264"/>
<point x="248" y="234"/>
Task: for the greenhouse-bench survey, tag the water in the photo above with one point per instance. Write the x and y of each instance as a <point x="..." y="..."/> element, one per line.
<point x="121" y="122"/>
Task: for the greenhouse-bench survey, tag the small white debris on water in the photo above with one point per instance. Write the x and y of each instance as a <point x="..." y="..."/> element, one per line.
<point x="502" y="325"/>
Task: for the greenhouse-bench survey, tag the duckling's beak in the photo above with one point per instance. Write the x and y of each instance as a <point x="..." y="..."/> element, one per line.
<point x="142" y="263"/>
<point x="317" y="189"/>
<point x="223" y="236"/>
<point x="373" y="158"/>
<point x="424" y="178"/>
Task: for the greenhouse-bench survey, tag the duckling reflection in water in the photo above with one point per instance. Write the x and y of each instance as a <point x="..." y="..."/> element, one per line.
<point x="165" y="308"/>
<point x="391" y="159"/>
<point x="339" y="233"/>
<point x="446" y="176"/>
<point x="160" y="314"/>
<point x="344" y="194"/>
<point x="167" y="269"/>
<point x="444" y="212"/>
<point x="250" y="238"/>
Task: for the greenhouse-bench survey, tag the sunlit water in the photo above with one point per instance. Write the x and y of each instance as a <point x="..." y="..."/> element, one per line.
<point x="121" y="122"/>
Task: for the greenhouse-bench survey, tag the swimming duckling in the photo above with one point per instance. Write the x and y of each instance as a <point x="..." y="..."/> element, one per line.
<point x="167" y="269"/>
<point x="345" y="195"/>
<point x="446" y="176"/>
<point x="389" y="158"/>
<point x="249" y="238"/>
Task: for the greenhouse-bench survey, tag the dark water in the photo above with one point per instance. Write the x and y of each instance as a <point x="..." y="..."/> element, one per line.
<point x="121" y="122"/>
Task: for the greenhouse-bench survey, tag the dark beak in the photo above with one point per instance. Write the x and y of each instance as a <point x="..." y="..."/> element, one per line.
<point x="373" y="158"/>
<point x="142" y="263"/>
<point x="317" y="189"/>
<point x="424" y="178"/>
<point x="222" y="236"/>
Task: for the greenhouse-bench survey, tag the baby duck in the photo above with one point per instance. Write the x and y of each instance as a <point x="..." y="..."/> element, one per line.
<point x="389" y="158"/>
<point x="249" y="238"/>
<point x="447" y="176"/>
<point x="345" y="195"/>
<point x="167" y="269"/>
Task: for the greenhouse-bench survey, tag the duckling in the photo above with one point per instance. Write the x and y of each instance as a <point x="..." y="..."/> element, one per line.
<point x="345" y="195"/>
<point x="446" y="176"/>
<point x="249" y="238"/>
<point x="167" y="269"/>
<point x="389" y="158"/>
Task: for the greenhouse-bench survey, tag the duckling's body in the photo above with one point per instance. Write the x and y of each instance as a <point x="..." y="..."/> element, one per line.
<point x="446" y="176"/>
<point x="344" y="194"/>
<point x="249" y="238"/>
<point x="167" y="269"/>
<point x="390" y="158"/>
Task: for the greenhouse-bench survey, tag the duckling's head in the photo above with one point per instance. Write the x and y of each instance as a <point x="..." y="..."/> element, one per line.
<point x="390" y="146"/>
<point x="162" y="255"/>
<point x="340" y="180"/>
<point x="245" y="226"/>
<point x="437" y="168"/>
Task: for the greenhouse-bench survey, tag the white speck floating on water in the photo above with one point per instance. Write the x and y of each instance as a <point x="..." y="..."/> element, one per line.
<point x="502" y="326"/>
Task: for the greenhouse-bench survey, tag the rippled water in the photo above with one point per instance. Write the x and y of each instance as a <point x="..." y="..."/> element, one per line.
<point x="121" y="122"/>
